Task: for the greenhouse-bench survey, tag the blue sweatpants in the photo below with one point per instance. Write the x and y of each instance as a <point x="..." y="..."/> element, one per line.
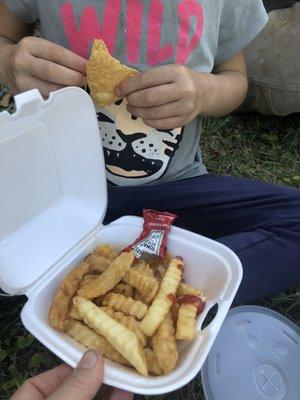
<point x="260" y="222"/>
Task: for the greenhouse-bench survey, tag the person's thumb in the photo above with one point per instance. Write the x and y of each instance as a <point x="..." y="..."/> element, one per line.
<point x="85" y="381"/>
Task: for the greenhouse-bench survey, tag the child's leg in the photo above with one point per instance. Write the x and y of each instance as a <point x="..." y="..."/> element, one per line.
<point x="259" y="221"/>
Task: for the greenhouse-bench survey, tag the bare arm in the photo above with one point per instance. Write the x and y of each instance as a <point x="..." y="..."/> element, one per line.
<point x="226" y="88"/>
<point x="29" y="62"/>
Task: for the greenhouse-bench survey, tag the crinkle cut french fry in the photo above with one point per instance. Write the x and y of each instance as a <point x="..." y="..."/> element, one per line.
<point x="97" y="262"/>
<point x="174" y="312"/>
<point x="123" y="288"/>
<point x="141" y="265"/>
<point x="152" y="362"/>
<point x="128" y="321"/>
<point x="160" y="272"/>
<point x="88" y="278"/>
<point x="159" y="261"/>
<point x="61" y="306"/>
<point x="98" y="300"/>
<point x="106" y="250"/>
<point x="164" y="345"/>
<point x="186" y="321"/>
<point x="74" y="314"/>
<point x="74" y="311"/>
<point x="109" y="278"/>
<point x="127" y="305"/>
<point x="138" y="296"/>
<point x="92" y="340"/>
<point x="163" y="300"/>
<point x="145" y="284"/>
<point x="121" y="338"/>
<point x="184" y="289"/>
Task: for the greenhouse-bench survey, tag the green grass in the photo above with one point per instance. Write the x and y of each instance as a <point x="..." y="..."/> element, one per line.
<point x="249" y="145"/>
<point x="254" y="146"/>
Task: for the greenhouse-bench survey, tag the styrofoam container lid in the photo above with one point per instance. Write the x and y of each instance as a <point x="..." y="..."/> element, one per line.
<point x="46" y="210"/>
<point x="256" y="356"/>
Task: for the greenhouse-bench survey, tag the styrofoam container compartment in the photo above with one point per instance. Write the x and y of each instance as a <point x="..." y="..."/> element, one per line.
<point x="53" y="199"/>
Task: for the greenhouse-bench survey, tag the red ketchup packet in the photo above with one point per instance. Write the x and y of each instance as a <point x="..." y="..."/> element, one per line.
<point x="153" y="239"/>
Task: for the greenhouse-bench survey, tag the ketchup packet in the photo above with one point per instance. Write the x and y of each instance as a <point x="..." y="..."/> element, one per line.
<point x="153" y="239"/>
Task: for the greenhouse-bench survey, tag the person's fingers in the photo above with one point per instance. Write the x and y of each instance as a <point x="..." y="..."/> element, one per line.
<point x="155" y="96"/>
<point x="42" y="386"/>
<point x="85" y="381"/>
<point x="166" y="111"/>
<point x="25" y="82"/>
<point x="47" y="50"/>
<point x="52" y="72"/>
<point x="154" y="77"/>
<point x="165" y="123"/>
<point x="118" y="394"/>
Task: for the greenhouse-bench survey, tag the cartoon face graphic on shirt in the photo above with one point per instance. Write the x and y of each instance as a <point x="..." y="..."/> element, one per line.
<point x="134" y="153"/>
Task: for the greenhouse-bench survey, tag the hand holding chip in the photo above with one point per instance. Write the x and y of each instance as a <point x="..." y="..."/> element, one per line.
<point x="38" y="63"/>
<point x="165" y="97"/>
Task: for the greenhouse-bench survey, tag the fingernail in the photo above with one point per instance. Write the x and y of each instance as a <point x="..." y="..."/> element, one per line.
<point x="89" y="360"/>
<point x="118" y="91"/>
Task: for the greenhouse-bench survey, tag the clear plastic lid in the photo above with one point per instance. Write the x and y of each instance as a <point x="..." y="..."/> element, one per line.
<point x="256" y="356"/>
<point x="52" y="183"/>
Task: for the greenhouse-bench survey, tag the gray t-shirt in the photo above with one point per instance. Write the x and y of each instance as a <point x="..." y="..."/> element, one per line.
<point x="144" y="34"/>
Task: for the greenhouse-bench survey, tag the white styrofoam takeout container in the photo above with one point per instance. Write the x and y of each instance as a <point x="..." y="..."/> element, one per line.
<point x="53" y="199"/>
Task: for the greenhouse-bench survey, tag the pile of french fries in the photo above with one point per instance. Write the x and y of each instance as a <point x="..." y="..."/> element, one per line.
<point x="128" y="309"/>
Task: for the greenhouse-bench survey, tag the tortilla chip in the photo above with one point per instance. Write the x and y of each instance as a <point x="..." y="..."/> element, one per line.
<point x="104" y="73"/>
